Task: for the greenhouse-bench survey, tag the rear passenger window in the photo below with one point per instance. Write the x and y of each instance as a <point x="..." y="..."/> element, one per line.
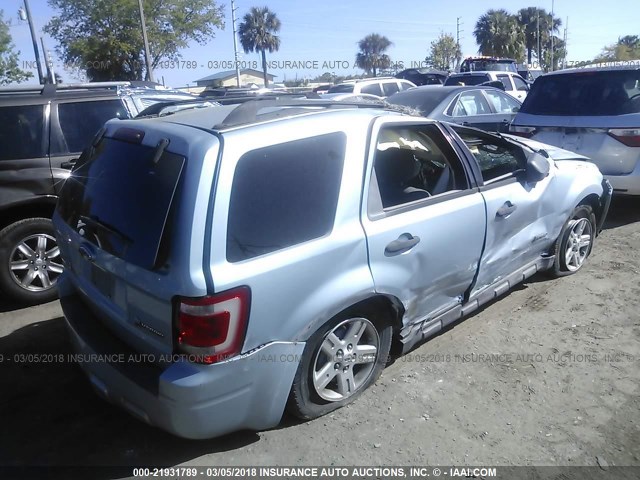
<point x="390" y="88"/>
<point x="81" y="120"/>
<point x="284" y="195"/>
<point x="506" y="82"/>
<point x="21" y="132"/>
<point x="372" y="89"/>
<point x="471" y="103"/>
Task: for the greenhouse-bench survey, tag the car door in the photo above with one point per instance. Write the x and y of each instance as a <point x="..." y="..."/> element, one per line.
<point x="505" y="106"/>
<point x="508" y="84"/>
<point x="472" y="109"/>
<point x="521" y="87"/>
<point x="74" y="123"/>
<point x="424" y="220"/>
<point x="518" y="212"/>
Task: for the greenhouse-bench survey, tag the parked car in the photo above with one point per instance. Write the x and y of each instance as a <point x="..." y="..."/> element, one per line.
<point x="423" y="76"/>
<point x="514" y="84"/>
<point x="351" y="97"/>
<point x="592" y="111"/>
<point x="43" y="129"/>
<point x="486" y="108"/>
<point x="266" y="256"/>
<point x="379" y="86"/>
<point x="486" y="63"/>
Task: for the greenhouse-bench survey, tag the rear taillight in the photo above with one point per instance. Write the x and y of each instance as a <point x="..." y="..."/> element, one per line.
<point x="629" y="136"/>
<point x="212" y="328"/>
<point x="526" y="132"/>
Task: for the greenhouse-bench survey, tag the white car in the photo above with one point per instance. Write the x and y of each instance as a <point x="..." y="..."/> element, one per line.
<point x="379" y="86"/>
<point x="514" y="84"/>
<point x="591" y="111"/>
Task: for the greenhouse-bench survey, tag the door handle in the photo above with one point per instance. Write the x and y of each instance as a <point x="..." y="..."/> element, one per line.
<point x="404" y="243"/>
<point x="464" y="123"/>
<point x="506" y="209"/>
<point x="69" y="165"/>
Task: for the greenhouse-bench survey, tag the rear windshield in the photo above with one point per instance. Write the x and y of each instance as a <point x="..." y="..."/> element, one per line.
<point x="425" y="100"/>
<point x="585" y="94"/>
<point x="119" y="199"/>
<point x="489" y="65"/>
<point x="466" y="80"/>
<point x="344" y="88"/>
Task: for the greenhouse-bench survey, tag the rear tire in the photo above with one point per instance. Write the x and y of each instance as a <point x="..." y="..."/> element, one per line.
<point x="574" y="245"/>
<point x="30" y="261"/>
<point x="340" y="361"/>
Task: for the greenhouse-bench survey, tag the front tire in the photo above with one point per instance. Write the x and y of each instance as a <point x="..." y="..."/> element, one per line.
<point x="575" y="243"/>
<point x="30" y="262"/>
<point x="340" y="361"/>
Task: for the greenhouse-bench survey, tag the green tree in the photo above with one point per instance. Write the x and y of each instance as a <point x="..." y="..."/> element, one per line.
<point x="445" y="52"/>
<point x="537" y="25"/>
<point x="371" y="56"/>
<point x="103" y="39"/>
<point x="9" y="67"/>
<point x="257" y="33"/>
<point x="499" y="34"/>
<point x="627" y="48"/>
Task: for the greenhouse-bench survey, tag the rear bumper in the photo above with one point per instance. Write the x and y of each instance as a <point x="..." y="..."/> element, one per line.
<point x="189" y="400"/>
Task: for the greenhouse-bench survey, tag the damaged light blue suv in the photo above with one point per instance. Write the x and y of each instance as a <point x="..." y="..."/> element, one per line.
<point x="226" y="263"/>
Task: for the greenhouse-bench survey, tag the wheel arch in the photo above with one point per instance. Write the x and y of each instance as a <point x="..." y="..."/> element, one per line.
<point x="41" y="207"/>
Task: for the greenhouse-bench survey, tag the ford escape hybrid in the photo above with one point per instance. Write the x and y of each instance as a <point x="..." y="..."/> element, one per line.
<point x="265" y="256"/>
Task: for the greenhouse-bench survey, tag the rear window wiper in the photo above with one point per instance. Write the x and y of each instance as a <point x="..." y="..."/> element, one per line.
<point x="95" y="222"/>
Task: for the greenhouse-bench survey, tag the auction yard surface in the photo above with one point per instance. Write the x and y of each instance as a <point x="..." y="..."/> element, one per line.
<point x="547" y="375"/>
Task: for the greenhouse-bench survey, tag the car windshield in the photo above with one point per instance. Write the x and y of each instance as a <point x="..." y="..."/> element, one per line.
<point x="466" y="80"/>
<point x="585" y="94"/>
<point x="341" y="88"/>
<point x="489" y="65"/>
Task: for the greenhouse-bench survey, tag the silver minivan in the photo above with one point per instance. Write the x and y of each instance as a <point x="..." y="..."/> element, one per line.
<point x="591" y="111"/>
<point x="224" y="263"/>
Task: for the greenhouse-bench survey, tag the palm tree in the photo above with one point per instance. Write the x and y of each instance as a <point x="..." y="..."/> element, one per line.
<point x="257" y="34"/>
<point x="499" y="34"/>
<point x="371" y="56"/>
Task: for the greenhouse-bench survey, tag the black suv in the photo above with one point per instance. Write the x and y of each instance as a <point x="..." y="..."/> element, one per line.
<point x="43" y="129"/>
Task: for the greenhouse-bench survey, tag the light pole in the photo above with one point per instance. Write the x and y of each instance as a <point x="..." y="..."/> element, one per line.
<point x="26" y="15"/>
<point x="147" y="55"/>
<point x="235" y="42"/>
<point x="552" y="10"/>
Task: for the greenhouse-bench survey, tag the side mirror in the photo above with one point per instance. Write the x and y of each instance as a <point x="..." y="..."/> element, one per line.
<point x="515" y="109"/>
<point x="537" y="168"/>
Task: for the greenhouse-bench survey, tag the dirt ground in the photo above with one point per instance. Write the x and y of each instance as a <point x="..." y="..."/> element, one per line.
<point x="547" y="375"/>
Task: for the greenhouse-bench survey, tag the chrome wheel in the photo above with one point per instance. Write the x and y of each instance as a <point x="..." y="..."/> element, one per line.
<point x="578" y="244"/>
<point x="35" y="263"/>
<point x="346" y="359"/>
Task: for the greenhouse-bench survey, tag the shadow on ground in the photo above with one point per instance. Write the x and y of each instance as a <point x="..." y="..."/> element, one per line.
<point x="51" y="416"/>
<point x="623" y="211"/>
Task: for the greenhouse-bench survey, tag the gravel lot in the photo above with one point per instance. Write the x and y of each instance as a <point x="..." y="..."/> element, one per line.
<point x="553" y="380"/>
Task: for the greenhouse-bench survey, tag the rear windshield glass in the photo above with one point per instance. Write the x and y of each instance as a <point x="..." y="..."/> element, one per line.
<point x="585" y="94"/>
<point x="425" y="100"/>
<point x="466" y="80"/>
<point x="345" y="88"/>
<point x="119" y="200"/>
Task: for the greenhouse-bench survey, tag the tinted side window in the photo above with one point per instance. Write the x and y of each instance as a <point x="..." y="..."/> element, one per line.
<point x="284" y="195"/>
<point x="405" y="86"/>
<point x="390" y="88"/>
<point x="495" y="157"/>
<point x="80" y="121"/>
<point x="372" y="89"/>
<point x="21" y="132"/>
<point x="505" y="81"/>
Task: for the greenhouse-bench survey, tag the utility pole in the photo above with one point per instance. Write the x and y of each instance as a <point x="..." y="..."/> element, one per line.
<point x="27" y="14"/>
<point x="538" y="38"/>
<point x="458" y="32"/>
<point x="566" y="33"/>
<point x="235" y="42"/>
<point x="551" y="27"/>
<point x="49" y="63"/>
<point x="147" y="54"/>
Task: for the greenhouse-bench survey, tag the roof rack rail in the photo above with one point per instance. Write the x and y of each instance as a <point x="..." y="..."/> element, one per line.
<point x="50" y="87"/>
<point x="247" y="112"/>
